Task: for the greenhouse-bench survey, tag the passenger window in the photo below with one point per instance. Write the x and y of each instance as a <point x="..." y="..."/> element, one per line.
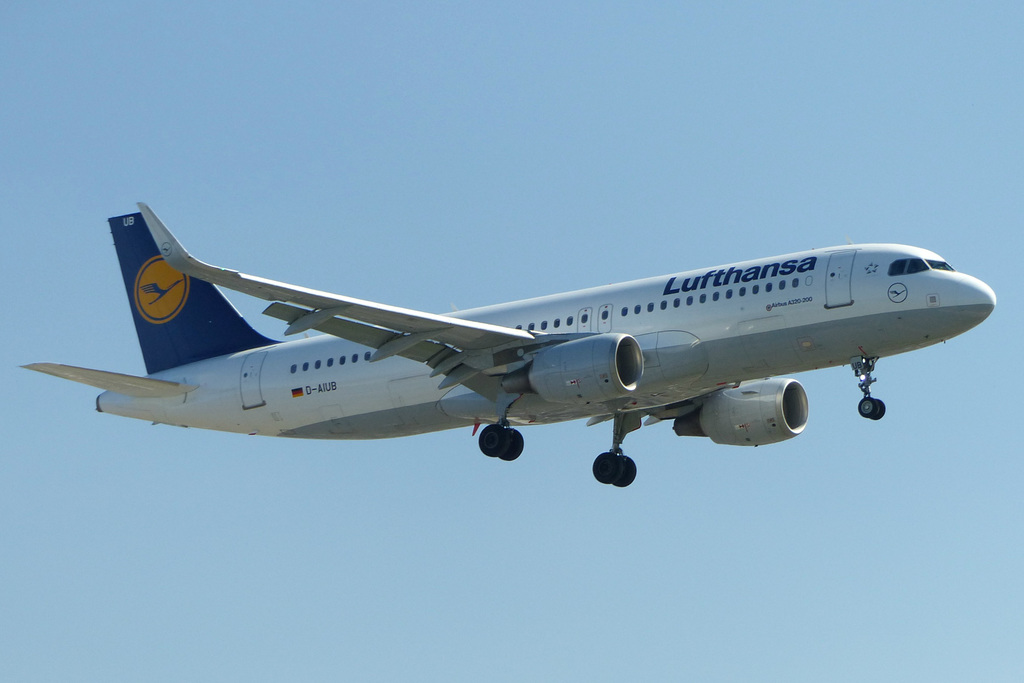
<point x="530" y="327"/>
<point x="341" y="361"/>
<point x="316" y="365"/>
<point x="743" y="291"/>
<point x="675" y="304"/>
<point x="689" y="301"/>
<point x="625" y="311"/>
<point x="294" y="368"/>
<point x="664" y="305"/>
<point x="755" y="289"/>
<point x="768" y="287"/>
<point x="898" y="267"/>
<point x="544" y="325"/>
<point x="728" y="294"/>
<point x="703" y="298"/>
<point x="650" y="307"/>
<point x="715" y="296"/>
<point x="558" y="323"/>
<point x="568" y="321"/>
<point x="305" y="367"/>
<point x="782" y="284"/>
<point x="355" y="357"/>
<point x="636" y="309"/>
<point x="330" y="362"/>
<point x="796" y="282"/>
<point x="367" y="355"/>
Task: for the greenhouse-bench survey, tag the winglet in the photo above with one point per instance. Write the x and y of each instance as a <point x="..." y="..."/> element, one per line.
<point x="170" y="248"/>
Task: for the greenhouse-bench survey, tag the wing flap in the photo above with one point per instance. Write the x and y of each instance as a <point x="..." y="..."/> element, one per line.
<point x="129" y="385"/>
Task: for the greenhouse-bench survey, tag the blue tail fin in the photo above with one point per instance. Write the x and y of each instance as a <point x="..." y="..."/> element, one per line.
<point x="179" y="319"/>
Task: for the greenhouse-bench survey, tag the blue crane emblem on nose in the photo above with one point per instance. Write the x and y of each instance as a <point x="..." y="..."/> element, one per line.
<point x="897" y="292"/>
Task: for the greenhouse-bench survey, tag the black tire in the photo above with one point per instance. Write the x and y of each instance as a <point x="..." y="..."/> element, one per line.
<point x="495" y="441"/>
<point x="608" y="468"/>
<point x="867" y="408"/>
<point x="515" y="446"/>
<point x="879" y="409"/>
<point x="628" y="472"/>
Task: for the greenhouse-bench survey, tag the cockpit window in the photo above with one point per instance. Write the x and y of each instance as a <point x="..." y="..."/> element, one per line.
<point x="941" y="265"/>
<point x="916" y="265"/>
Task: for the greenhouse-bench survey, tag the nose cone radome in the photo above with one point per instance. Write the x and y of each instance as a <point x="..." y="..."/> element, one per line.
<point x="975" y="301"/>
<point x="982" y="296"/>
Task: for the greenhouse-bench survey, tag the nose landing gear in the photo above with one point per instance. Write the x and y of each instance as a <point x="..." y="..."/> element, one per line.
<point x="868" y="407"/>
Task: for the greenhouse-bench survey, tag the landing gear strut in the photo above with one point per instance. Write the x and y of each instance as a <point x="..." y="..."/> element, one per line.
<point x="613" y="467"/>
<point x="869" y="407"/>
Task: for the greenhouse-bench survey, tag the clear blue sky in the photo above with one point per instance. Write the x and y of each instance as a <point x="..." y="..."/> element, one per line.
<point x="426" y="155"/>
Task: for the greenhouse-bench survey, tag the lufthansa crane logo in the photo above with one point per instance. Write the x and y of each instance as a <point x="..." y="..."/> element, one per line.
<point x="160" y="291"/>
<point x="897" y="292"/>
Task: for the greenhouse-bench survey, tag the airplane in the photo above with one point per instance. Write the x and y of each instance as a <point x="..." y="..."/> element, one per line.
<point x="704" y="349"/>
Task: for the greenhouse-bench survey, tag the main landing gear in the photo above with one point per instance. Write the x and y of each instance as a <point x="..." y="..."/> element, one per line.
<point x="869" y="407"/>
<point x="613" y="467"/>
<point x="501" y="441"/>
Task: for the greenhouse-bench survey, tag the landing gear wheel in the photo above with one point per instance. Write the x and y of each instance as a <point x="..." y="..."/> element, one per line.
<point x="871" y="408"/>
<point x="495" y="441"/>
<point x="628" y="472"/>
<point x="879" y="409"/>
<point x="615" y="469"/>
<point x="515" y="446"/>
<point x="608" y="468"/>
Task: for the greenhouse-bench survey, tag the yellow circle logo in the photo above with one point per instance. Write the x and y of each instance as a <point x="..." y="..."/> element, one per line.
<point x="160" y="291"/>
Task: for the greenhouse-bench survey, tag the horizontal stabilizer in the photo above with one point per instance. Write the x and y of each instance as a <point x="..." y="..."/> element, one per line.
<point x="129" y="385"/>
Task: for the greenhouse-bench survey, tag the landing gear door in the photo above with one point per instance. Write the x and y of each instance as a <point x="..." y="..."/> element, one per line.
<point x="838" y="292"/>
<point x="252" y="395"/>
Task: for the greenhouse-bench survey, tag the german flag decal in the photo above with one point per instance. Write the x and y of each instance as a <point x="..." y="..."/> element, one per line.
<point x="297" y="393"/>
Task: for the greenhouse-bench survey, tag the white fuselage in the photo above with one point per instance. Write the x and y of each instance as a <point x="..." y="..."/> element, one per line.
<point x="698" y="330"/>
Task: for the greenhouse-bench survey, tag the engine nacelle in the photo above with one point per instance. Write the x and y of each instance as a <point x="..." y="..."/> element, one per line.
<point x="598" y="368"/>
<point x="752" y="414"/>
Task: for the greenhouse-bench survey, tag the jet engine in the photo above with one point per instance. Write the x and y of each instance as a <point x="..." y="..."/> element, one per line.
<point x="752" y="414"/>
<point x="598" y="368"/>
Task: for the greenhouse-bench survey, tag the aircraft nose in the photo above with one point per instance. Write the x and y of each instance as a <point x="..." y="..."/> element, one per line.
<point x="982" y="295"/>
<point x="978" y="298"/>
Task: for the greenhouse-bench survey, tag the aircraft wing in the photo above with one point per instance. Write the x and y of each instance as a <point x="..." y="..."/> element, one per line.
<point x="457" y="348"/>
